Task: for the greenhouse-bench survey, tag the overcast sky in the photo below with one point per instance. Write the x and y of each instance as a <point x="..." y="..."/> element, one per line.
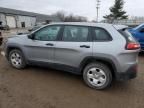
<point x="85" y="8"/>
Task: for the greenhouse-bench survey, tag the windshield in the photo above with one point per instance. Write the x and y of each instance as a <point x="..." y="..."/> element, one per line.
<point x="35" y="28"/>
<point x="138" y="27"/>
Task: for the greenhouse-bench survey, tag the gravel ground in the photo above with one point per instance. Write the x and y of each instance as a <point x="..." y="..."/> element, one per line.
<point x="36" y="87"/>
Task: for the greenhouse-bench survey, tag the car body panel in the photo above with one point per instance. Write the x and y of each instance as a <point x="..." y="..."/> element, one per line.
<point x="34" y="49"/>
<point x="70" y="53"/>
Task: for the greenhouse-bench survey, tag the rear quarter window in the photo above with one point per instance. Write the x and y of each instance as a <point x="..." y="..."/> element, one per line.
<point x="100" y="34"/>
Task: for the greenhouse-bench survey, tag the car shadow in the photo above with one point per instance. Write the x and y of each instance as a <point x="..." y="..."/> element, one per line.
<point x="53" y="72"/>
<point x="115" y="86"/>
<point x="69" y="78"/>
<point x="141" y="54"/>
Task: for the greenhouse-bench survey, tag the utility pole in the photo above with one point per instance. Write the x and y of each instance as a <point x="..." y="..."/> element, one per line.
<point x="98" y="7"/>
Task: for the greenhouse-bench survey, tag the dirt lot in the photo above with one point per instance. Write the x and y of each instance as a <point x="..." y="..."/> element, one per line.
<point x="45" y="88"/>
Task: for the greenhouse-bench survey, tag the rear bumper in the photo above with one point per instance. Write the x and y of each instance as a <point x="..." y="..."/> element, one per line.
<point x="131" y="73"/>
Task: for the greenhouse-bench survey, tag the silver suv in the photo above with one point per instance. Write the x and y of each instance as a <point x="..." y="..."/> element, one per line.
<point x="100" y="52"/>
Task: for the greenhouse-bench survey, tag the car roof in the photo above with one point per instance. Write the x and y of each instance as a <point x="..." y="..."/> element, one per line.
<point x="81" y="23"/>
<point x="91" y="24"/>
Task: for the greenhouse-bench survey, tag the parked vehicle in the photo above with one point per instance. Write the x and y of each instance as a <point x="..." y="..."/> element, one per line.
<point x="138" y="33"/>
<point x="1" y="38"/>
<point x="4" y="27"/>
<point x="100" y="52"/>
<point x="30" y="30"/>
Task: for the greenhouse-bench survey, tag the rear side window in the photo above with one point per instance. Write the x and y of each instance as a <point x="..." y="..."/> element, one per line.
<point x="127" y="35"/>
<point x="75" y="34"/>
<point x="101" y="34"/>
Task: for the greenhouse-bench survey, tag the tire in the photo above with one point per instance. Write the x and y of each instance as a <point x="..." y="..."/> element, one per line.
<point x="97" y="76"/>
<point x="16" y="59"/>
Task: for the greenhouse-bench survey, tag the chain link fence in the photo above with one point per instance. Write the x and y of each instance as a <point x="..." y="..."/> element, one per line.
<point x="129" y="22"/>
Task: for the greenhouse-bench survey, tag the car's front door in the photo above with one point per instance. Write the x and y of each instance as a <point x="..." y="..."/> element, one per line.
<point x="41" y="47"/>
<point x="74" y="46"/>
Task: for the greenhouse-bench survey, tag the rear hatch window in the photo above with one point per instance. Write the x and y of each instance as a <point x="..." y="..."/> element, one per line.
<point x="131" y="44"/>
<point x="124" y="32"/>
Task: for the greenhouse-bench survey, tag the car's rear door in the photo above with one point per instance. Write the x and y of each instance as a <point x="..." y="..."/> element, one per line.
<point x="74" y="46"/>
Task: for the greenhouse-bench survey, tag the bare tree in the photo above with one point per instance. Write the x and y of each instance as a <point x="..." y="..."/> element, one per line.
<point x="69" y="18"/>
<point x="60" y="15"/>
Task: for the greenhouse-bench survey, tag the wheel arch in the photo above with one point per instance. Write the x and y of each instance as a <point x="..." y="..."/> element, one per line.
<point x="103" y="60"/>
<point x="10" y="48"/>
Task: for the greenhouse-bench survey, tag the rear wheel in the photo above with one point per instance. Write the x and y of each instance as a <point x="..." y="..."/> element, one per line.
<point x="16" y="59"/>
<point x="97" y="75"/>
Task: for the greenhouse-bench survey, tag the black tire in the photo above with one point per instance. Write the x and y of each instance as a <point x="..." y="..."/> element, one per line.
<point x="22" y="65"/>
<point x="106" y="71"/>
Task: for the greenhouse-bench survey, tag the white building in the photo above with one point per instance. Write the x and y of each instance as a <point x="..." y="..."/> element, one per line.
<point x="22" y="19"/>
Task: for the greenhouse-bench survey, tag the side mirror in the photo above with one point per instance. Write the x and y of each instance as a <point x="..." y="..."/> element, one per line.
<point x="142" y="30"/>
<point x="30" y="30"/>
<point x="19" y="33"/>
<point x="31" y="36"/>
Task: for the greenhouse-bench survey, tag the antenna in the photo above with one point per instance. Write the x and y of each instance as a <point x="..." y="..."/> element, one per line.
<point x="98" y="7"/>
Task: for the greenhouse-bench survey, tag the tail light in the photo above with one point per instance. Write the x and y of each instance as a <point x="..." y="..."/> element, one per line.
<point x="132" y="46"/>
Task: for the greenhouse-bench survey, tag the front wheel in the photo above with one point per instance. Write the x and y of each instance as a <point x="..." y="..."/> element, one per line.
<point x="97" y="75"/>
<point x="16" y="59"/>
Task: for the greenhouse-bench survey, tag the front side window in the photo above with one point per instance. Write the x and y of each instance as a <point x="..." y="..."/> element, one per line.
<point x="75" y="34"/>
<point x="101" y="35"/>
<point x="49" y="33"/>
<point x="141" y="30"/>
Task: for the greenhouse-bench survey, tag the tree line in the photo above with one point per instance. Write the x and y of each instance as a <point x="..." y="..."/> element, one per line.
<point x="69" y="18"/>
<point x="116" y="13"/>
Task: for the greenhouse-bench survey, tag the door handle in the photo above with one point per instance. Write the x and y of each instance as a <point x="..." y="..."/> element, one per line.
<point x="85" y="46"/>
<point x="50" y="44"/>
